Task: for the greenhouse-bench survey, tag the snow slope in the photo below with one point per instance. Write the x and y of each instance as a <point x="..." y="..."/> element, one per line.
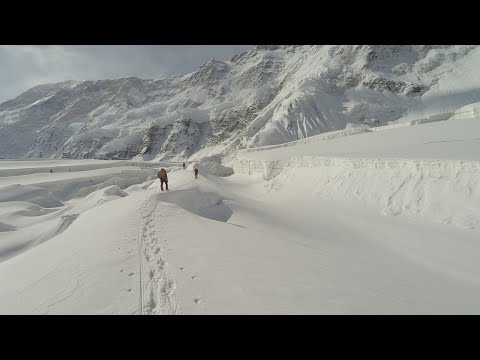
<point x="430" y="170"/>
<point x="457" y="139"/>
<point x="243" y="252"/>
<point x="90" y="268"/>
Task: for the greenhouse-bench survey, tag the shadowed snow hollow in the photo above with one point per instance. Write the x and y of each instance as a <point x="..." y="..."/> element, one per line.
<point x="205" y="204"/>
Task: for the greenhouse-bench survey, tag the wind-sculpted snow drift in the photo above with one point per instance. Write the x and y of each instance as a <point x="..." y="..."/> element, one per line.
<point x="447" y="191"/>
<point x="42" y="205"/>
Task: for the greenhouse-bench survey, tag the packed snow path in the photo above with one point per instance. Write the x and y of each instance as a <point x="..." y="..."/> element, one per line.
<point x="157" y="287"/>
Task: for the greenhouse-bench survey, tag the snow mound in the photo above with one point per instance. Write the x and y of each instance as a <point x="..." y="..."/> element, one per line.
<point x="98" y="197"/>
<point x="139" y="187"/>
<point x="212" y="168"/>
<point x="7" y="227"/>
<point x="32" y="194"/>
<point x="114" y="190"/>
<point x="209" y="205"/>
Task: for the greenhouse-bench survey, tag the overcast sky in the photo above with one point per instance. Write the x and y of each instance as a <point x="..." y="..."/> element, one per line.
<point x="25" y="66"/>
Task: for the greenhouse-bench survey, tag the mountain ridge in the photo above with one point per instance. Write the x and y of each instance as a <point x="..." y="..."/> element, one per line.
<point x="268" y="95"/>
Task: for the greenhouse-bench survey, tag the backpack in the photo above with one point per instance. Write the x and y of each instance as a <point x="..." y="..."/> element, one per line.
<point x="162" y="174"/>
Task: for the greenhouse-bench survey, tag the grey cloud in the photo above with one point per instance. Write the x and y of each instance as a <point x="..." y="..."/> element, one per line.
<point x="25" y="66"/>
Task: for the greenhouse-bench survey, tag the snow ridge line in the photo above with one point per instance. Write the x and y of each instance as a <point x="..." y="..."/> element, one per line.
<point x="271" y="168"/>
<point x="331" y="135"/>
<point x="158" y="290"/>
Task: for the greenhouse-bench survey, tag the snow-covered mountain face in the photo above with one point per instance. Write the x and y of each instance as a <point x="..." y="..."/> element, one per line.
<point x="268" y="95"/>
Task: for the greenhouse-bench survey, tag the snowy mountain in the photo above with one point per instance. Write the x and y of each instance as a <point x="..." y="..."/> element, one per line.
<point x="268" y="95"/>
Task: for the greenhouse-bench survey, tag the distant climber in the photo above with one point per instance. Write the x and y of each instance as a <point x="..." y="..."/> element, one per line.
<point x="196" y="173"/>
<point x="162" y="175"/>
<point x="183" y="166"/>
